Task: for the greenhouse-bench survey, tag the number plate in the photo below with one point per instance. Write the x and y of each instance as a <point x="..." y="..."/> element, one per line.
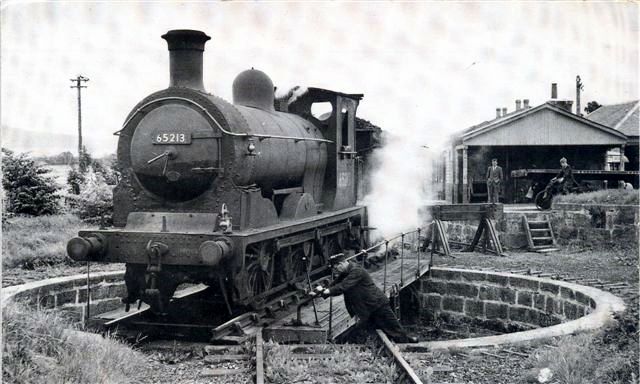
<point x="172" y="138"/>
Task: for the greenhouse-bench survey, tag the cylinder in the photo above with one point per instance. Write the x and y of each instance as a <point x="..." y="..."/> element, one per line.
<point x="185" y="57"/>
<point x="554" y="91"/>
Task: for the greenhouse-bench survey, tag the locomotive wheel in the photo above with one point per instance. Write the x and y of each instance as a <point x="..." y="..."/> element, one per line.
<point x="331" y="245"/>
<point x="296" y="261"/>
<point x="543" y="200"/>
<point x="259" y="263"/>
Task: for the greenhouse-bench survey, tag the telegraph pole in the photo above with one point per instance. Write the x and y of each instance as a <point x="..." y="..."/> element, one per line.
<point x="579" y="87"/>
<point x="78" y="81"/>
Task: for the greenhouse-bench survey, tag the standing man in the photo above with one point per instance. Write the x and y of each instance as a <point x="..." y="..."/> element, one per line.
<point x="494" y="181"/>
<point x="363" y="298"/>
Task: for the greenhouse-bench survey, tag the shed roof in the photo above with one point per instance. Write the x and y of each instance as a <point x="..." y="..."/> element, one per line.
<point x="471" y="134"/>
<point x="623" y="117"/>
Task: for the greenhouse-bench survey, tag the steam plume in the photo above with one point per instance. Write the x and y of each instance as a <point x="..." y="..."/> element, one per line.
<point x="400" y="179"/>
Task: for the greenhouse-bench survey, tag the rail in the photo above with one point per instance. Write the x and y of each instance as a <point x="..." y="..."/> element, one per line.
<point x="414" y="239"/>
<point x="404" y="367"/>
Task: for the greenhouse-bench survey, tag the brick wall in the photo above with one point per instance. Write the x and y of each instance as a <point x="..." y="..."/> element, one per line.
<point x="595" y="223"/>
<point x="499" y="301"/>
<point x="69" y="294"/>
<point x="571" y="223"/>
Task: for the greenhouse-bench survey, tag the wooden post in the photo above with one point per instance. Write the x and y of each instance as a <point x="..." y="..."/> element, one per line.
<point x="465" y="176"/>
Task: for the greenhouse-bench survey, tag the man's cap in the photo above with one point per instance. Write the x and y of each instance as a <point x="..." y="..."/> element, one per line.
<point x="494" y="159"/>
<point x="563" y="159"/>
<point x="335" y="259"/>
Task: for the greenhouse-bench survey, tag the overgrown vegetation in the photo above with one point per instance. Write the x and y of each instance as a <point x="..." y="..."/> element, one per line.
<point x="609" y="357"/>
<point x="27" y="187"/>
<point x="347" y="364"/>
<point x="94" y="203"/>
<point x="90" y="189"/>
<point x="37" y="347"/>
<point x="29" y="242"/>
<point x="605" y="196"/>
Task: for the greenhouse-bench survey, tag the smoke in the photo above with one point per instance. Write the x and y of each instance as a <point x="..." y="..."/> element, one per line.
<point x="400" y="185"/>
<point x="291" y="94"/>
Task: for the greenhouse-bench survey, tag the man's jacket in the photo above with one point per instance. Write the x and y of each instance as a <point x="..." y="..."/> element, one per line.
<point x="494" y="175"/>
<point x="566" y="174"/>
<point x="361" y="295"/>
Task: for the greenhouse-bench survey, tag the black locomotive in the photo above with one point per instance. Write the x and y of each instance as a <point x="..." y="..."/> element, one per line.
<point x="246" y="197"/>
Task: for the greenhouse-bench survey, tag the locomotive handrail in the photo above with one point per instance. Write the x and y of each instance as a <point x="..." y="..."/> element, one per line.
<point x="236" y="134"/>
<point x="383" y="242"/>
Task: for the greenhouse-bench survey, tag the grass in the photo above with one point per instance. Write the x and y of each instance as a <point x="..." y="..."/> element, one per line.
<point x="29" y="242"/>
<point x="580" y="359"/>
<point x="605" y="196"/>
<point x="39" y="348"/>
<point x="344" y="365"/>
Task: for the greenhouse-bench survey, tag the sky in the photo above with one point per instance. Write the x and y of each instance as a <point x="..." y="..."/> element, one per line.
<point x="427" y="69"/>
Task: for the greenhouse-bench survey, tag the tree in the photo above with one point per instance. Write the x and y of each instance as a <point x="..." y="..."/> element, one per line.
<point x="28" y="189"/>
<point x="86" y="163"/>
<point x="592" y="106"/>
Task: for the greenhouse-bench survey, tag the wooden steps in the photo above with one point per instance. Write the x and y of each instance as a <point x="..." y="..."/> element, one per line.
<point x="540" y="237"/>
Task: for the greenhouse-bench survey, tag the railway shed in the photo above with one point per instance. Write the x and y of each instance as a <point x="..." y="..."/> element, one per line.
<point x="528" y="144"/>
<point x="625" y="118"/>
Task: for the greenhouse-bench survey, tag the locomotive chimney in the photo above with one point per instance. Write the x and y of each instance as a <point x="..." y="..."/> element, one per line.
<point x="185" y="57"/>
<point x="497" y="113"/>
<point x="518" y="105"/>
<point x="554" y="91"/>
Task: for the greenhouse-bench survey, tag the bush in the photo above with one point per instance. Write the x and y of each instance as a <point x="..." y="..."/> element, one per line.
<point x="39" y="347"/>
<point x="77" y="176"/>
<point x="94" y="204"/>
<point x="30" y="242"/>
<point x="75" y="179"/>
<point x="28" y="189"/>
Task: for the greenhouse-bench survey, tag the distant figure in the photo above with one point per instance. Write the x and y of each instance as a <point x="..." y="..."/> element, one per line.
<point x="494" y="181"/>
<point x="363" y="298"/>
<point x="563" y="177"/>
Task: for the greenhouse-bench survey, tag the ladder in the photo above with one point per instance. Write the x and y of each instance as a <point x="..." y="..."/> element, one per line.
<point x="539" y="235"/>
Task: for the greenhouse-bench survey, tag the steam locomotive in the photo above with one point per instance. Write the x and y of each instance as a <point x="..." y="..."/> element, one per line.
<point x="246" y="197"/>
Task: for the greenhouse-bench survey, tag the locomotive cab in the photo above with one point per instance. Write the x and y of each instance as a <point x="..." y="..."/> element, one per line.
<point x="339" y="127"/>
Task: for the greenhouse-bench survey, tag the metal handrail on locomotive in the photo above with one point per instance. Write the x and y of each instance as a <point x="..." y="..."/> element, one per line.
<point x="246" y="197"/>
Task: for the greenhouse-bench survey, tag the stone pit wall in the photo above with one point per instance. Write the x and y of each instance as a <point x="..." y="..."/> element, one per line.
<point x="595" y="223"/>
<point x="581" y="224"/>
<point x="69" y="294"/>
<point x="498" y="301"/>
